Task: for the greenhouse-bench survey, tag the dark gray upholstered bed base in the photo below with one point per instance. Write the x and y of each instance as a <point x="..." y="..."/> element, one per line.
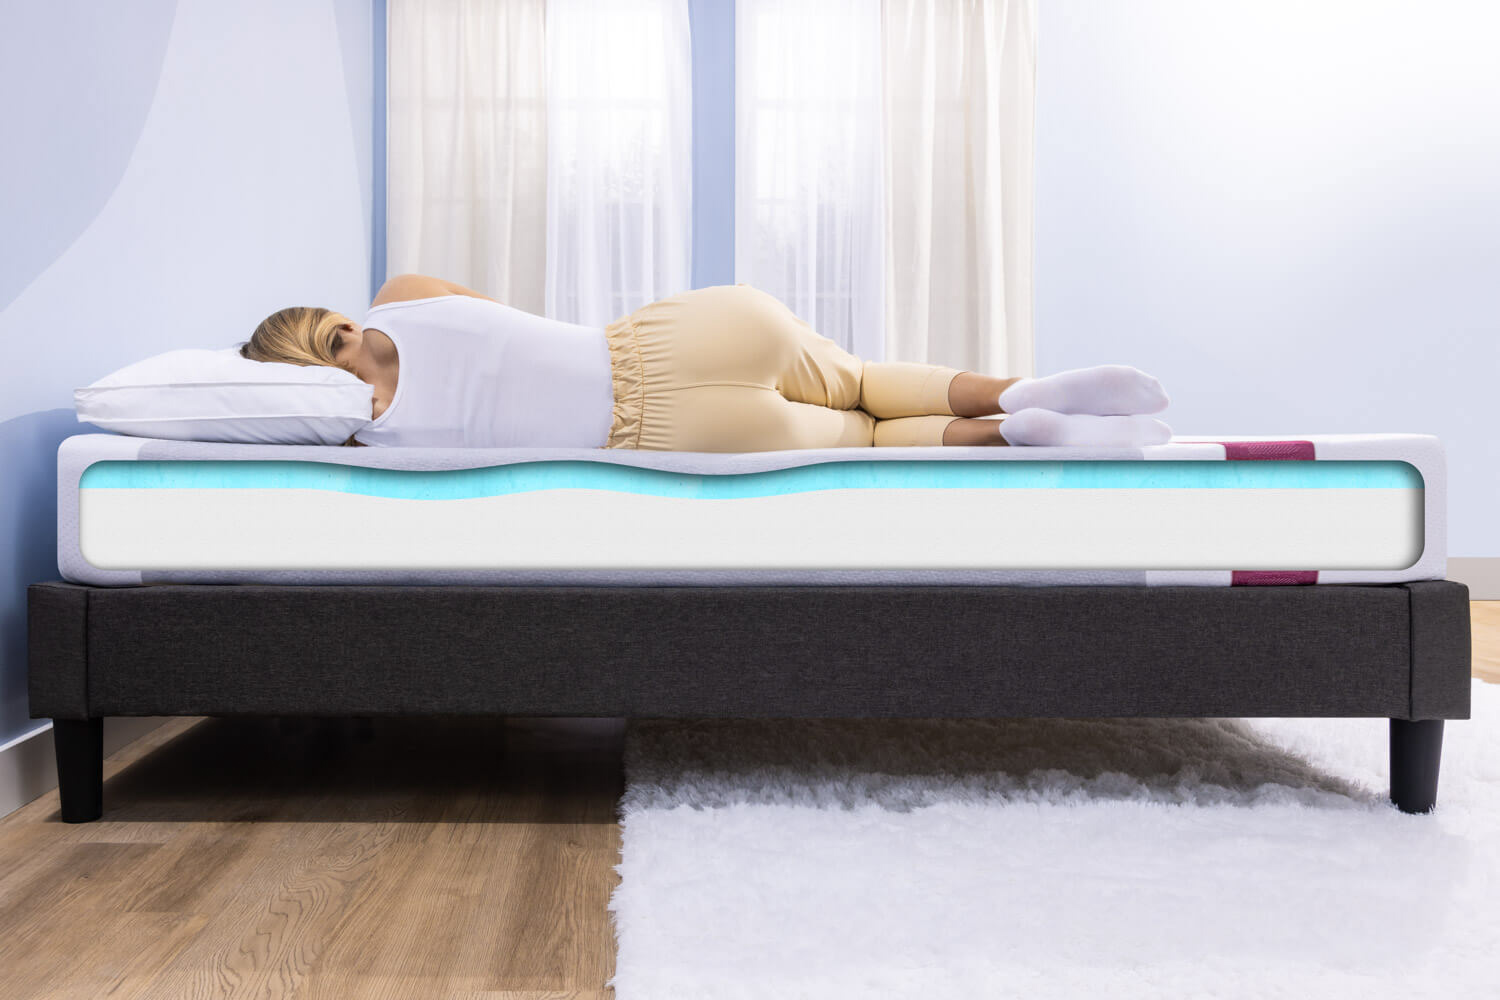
<point x="1399" y="651"/>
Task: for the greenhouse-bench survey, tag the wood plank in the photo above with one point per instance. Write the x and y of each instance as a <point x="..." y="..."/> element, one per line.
<point x="1486" y="623"/>
<point x="269" y="934"/>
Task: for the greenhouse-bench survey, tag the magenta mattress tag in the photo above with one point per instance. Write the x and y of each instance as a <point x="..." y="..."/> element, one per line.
<point x="1283" y="450"/>
<point x="1272" y="577"/>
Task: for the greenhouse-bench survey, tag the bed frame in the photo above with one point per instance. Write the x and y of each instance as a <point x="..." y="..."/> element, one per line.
<point x="1399" y="651"/>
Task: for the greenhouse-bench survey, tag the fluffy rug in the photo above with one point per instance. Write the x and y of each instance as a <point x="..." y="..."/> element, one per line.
<point x="1061" y="858"/>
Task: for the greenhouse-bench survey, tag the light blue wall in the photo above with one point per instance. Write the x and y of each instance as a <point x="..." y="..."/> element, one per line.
<point x="1288" y="211"/>
<point x="380" y="23"/>
<point x="357" y="35"/>
<point x="54" y="180"/>
<point x="172" y="173"/>
<point x="712" y="24"/>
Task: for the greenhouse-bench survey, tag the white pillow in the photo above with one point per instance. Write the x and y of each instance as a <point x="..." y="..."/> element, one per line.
<point x="217" y="395"/>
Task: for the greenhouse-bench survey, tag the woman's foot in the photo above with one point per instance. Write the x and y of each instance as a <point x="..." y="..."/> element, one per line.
<point x="1047" y="428"/>
<point x="1104" y="390"/>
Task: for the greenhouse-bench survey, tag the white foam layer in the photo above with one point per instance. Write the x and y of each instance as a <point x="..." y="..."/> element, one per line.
<point x="842" y="529"/>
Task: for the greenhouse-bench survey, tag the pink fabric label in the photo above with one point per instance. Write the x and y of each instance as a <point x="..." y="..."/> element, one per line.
<point x="1272" y="577"/>
<point x="1285" y="450"/>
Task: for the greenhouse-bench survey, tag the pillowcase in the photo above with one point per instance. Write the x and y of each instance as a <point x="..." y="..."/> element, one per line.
<point x="217" y="395"/>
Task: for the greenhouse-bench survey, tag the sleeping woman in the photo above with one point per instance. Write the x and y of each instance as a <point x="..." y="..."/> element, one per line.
<point x="728" y="368"/>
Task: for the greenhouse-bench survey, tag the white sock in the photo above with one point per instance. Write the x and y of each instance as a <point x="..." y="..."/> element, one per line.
<point x="1103" y="389"/>
<point x="1047" y="428"/>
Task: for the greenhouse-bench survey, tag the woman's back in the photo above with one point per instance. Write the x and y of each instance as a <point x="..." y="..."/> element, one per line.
<point x="473" y="373"/>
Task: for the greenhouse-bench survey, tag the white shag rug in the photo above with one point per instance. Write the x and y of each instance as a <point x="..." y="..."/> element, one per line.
<point x="1054" y="858"/>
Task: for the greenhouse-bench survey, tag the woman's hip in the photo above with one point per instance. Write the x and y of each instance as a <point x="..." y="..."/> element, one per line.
<point x="728" y="332"/>
<point x="726" y="335"/>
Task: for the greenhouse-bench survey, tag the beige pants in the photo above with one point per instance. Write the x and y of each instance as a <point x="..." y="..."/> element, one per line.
<point x="731" y="368"/>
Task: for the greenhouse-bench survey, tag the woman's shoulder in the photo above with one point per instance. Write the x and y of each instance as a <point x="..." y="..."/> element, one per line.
<point x="419" y="287"/>
<point x="407" y="288"/>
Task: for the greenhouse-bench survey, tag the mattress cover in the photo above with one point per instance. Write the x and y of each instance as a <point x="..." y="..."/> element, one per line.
<point x="1219" y="511"/>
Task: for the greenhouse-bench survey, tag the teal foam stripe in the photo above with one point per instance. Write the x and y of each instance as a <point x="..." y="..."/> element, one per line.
<point x="523" y="477"/>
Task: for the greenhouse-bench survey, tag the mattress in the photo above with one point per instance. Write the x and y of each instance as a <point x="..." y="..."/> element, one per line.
<point x="1226" y="511"/>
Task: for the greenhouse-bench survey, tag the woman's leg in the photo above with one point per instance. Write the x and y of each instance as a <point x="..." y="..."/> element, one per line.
<point x="905" y="392"/>
<point x="733" y="369"/>
<point x="1101" y="390"/>
<point x="912" y="404"/>
<point x="891" y="389"/>
<point x="1104" y="406"/>
<point x="971" y="394"/>
<point x="749" y="418"/>
<point x="967" y="432"/>
<point x="816" y="370"/>
<point x="934" y="429"/>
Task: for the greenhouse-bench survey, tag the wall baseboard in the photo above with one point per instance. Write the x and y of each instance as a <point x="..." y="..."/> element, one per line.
<point x="1480" y="575"/>
<point x="28" y="768"/>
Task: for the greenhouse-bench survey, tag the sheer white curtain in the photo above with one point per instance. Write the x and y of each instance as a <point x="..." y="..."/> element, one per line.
<point x="884" y="173"/>
<point x="468" y="145"/>
<point x="960" y="82"/>
<point x="541" y="150"/>
<point x="619" y="162"/>
<point x="809" y="208"/>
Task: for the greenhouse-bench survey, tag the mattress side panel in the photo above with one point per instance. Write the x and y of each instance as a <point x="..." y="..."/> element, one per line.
<point x="1424" y="453"/>
<point x="74" y="455"/>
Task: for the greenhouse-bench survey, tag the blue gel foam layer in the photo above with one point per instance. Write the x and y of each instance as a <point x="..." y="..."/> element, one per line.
<point x="525" y="477"/>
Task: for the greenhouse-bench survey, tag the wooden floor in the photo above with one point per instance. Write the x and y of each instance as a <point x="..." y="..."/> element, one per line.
<point x="419" y="858"/>
<point x="423" y="858"/>
<point x="1486" y="618"/>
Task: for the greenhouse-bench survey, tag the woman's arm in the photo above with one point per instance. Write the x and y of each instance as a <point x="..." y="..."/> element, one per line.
<point x="405" y="287"/>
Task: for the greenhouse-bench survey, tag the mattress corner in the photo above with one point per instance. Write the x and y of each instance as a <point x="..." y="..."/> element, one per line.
<point x="74" y="455"/>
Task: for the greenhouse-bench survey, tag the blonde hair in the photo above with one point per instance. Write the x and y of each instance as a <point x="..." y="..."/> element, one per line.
<point x="301" y="335"/>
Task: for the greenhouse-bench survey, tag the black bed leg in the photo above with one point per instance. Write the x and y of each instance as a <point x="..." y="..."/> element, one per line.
<point x="1416" y="753"/>
<point x="80" y="768"/>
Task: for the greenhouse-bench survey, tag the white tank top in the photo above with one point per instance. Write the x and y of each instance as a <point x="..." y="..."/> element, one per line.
<point x="477" y="374"/>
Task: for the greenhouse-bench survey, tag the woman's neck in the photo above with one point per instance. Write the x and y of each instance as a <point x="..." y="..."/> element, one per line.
<point x="379" y="366"/>
<point x="380" y="350"/>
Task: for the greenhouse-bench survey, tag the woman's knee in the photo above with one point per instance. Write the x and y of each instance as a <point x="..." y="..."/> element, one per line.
<point x="894" y="389"/>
